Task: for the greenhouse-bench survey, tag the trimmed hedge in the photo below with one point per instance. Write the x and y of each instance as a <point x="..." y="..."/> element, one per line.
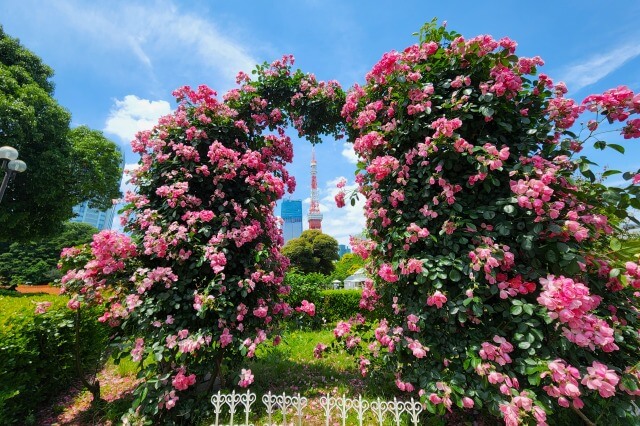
<point x="336" y="305"/>
<point x="36" y="352"/>
<point x="331" y="305"/>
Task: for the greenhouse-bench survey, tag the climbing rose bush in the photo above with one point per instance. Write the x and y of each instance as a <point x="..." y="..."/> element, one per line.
<point x="199" y="281"/>
<point x="490" y="261"/>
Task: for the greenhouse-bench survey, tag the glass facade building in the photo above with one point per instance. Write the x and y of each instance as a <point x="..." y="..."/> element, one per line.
<point x="100" y="219"/>
<point x="291" y="214"/>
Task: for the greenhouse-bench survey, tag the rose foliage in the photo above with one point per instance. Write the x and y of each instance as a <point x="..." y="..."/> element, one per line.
<point x="199" y="281"/>
<point x="494" y="269"/>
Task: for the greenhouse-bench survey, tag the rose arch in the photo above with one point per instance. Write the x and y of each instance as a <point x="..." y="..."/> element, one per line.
<point x="497" y="282"/>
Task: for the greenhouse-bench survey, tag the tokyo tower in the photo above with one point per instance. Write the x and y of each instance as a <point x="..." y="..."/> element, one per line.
<point x="315" y="217"/>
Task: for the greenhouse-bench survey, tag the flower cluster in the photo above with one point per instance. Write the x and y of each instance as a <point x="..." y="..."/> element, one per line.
<point x="499" y="354"/>
<point x="570" y="303"/>
<point x="564" y="385"/>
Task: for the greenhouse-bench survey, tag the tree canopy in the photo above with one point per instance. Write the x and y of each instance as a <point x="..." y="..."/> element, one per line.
<point x="36" y="261"/>
<point x="62" y="167"/>
<point x="97" y="165"/>
<point x="313" y="251"/>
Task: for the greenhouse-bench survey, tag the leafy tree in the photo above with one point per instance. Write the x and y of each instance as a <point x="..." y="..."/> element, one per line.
<point x="61" y="171"/>
<point x="300" y="254"/>
<point x="348" y="264"/>
<point x="97" y="166"/>
<point x="313" y="251"/>
<point x="36" y="261"/>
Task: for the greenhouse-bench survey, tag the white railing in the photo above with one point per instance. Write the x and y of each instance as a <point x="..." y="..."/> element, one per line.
<point x="290" y="410"/>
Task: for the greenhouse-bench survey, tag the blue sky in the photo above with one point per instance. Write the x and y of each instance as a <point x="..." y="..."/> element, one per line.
<point x="117" y="62"/>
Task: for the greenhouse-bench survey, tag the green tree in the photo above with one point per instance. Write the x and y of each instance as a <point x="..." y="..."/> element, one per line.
<point x="313" y="251"/>
<point x="97" y="166"/>
<point x="36" y="261"/>
<point x="61" y="171"/>
<point x="348" y="264"/>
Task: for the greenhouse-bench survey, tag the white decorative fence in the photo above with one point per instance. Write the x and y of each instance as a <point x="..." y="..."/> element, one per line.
<point x="288" y="410"/>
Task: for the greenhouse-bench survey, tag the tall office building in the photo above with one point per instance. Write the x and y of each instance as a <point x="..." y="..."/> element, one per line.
<point x="291" y="213"/>
<point x="101" y="219"/>
<point x="314" y="215"/>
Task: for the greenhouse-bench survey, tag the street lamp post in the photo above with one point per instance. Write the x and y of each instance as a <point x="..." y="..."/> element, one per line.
<point x="11" y="165"/>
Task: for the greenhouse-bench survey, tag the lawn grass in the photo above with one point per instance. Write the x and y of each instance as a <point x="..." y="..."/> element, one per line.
<point x="292" y="369"/>
<point x="14" y="304"/>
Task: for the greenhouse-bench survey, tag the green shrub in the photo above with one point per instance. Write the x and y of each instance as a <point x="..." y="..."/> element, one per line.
<point x="335" y="305"/>
<point x="305" y="287"/>
<point x="37" y="351"/>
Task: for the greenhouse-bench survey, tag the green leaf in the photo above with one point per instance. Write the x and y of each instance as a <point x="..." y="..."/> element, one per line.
<point x="524" y="345"/>
<point x="486" y="111"/>
<point x="611" y="173"/>
<point x="454" y="275"/>
<point x="516" y="310"/>
<point x="617" y="147"/>
<point x="551" y="256"/>
<point x="528" y="308"/>
<point x="488" y="214"/>
<point x="527" y="243"/>
<point x="509" y="209"/>
<point x="615" y="244"/>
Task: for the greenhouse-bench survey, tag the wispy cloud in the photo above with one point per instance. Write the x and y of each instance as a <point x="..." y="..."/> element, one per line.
<point x="599" y="66"/>
<point x="132" y="114"/>
<point x="159" y="32"/>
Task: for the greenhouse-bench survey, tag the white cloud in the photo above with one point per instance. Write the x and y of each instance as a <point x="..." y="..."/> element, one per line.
<point x="349" y="153"/>
<point x="125" y="185"/>
<point x="343" y="222"/>
<point x="132" y="114"/>
<point x="597" y="67"/>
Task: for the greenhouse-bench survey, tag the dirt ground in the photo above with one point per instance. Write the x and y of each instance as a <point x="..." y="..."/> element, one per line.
<point x="38" y="289"/>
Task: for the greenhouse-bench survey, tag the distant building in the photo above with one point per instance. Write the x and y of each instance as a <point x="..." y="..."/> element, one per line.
<point x="343" y="249"/>
<point x="356" y="280"/>
<point x="101" y="219"/>
<point x="291" y="213"/>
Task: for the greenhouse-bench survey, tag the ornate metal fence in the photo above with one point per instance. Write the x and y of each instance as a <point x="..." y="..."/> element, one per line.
<point x="234" y="409"/>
